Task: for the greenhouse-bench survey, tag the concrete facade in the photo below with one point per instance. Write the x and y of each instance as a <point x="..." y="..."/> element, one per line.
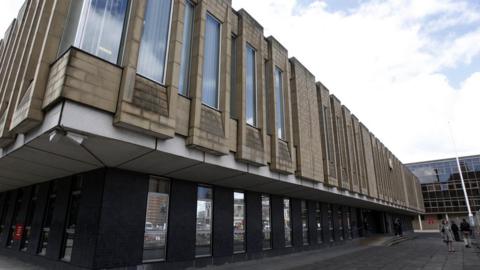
<point x="74" y="114"/>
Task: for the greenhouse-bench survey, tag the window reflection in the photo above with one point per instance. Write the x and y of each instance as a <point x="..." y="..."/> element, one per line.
<point x="15" y="220"/>
<point x="156" y="221"/>
<point x="96" y="26"/>
<point x="318" y="221"/>
<point x="280" y="104"/>
<point x="203" y="242"/>
<point x="154" y="44"/>
<point x="47" y="220"/>
<point x="211" y="63"/>
<point x="304" y="210"/>
<point x="251" y="87"/>
<point x="238" y="222"/>
<point x="72" y="215"/>
<point x="288" y="222"/>
<point x="340" y="224"/>
<point x="186" y="48"/>
<point x="24" y="244"/>
<point x="330" y="222"/>
<point x="266" y="223"/>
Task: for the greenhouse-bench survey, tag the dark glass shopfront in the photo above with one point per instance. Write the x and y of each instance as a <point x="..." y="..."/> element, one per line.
<point x="110" y="218"/>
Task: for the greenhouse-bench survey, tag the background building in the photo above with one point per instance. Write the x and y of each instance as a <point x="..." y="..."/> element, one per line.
<point x="442" y="189"/>
<point x="173" y="133"/>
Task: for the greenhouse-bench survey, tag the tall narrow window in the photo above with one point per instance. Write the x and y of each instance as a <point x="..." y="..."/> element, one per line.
<point x="24" y="244"/>
<point x="186" y="48"/>
<point x="340" y="224"/>
<point x="318" y="221"/>
<point x="349" y="225"/>
<point x="211" y="62"/>
<point x="288" y="222"/>
<point x="304" y="212"/>
<point x="14" y="220"/>
<point x="203" y="241"/>
<point x="251" y="87"/>
<point x="233" y="79"/>
<point x="238" y="222"/>
<point x="152" y="58"/>
<point x="156" y="221"/>
<point x="267" y="96"/>
<point x="266" y="224"/>
<point x="96" y="26"/>
<point x="330" y="222"/>
<point x="72" y="215"/>
<point x="47" y="219"/>
<point x="280" y="104"/>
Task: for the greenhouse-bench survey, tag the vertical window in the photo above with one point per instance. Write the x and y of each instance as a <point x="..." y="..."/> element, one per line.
<point x="14" y="220"/>
<point x="288" y="222"/>
<point x="183" y="84"/>
<point x="233" y="79"/>
<point x="72" y="215"/>
<point x="267" y="96"/>
<point x="330" y="222"/>
<point x="340" y="224"/>
<point x="3" y="216"/>
<point x="349" y="225"/>
<point x="96" y="26"/>
<point x="304" y="210"/>
<point x="203" y="241"/>
<point x="152" y="57"/>
<point x="24" y="244"/>
<point x="251" y="87"/>
<point x="156" y="220"/>
<point x="266" y="224"/>
<point x="211" y="62"/>
<point x="47" y="219"/>
<point x="318" y="221"/>
<point x="280" y="106"/>
<point x="326" y="131"/>
<point x="238" y="222"/>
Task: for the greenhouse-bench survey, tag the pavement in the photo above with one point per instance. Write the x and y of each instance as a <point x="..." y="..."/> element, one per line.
<point x="424" y="251"/>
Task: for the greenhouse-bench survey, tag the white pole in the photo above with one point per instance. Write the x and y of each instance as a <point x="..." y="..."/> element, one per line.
<point x="467" y="202"/>
<point x="420" y="222"/>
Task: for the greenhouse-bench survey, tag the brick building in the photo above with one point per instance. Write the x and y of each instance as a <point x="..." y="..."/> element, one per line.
<point x="173" y="133"/>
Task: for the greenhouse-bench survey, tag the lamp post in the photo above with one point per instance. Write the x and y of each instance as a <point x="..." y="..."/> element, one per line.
<point x="467" y="202"/>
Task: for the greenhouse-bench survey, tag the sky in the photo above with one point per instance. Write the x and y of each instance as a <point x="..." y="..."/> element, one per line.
<point x="408" y="69"/>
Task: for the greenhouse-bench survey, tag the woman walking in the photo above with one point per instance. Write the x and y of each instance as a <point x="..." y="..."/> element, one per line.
<point x="447" y="234"/>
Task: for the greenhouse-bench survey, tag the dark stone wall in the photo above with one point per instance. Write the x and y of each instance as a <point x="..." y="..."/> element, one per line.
<point x="254" y="222"/>
<point x="86" y="231"/>
<point x="182" y="221"/>
<point x="296" y="216"/>
<point x="122" y="220"/>
<point x="278" y="227"/>
<point x="222" y="222"/>
<point x="312" y="225"/>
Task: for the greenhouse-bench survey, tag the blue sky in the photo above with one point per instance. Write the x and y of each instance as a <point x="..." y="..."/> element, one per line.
<point x="405" y="68"/>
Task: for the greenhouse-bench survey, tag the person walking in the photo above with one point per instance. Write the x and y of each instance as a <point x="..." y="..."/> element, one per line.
<point x="465" y="229"/>
<point x="455" y="230"/>
<point x="447" y="234"/>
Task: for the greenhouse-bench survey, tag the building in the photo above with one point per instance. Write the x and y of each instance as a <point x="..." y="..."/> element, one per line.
<point x="173" y="133"/>
<point x="442" y="189"/>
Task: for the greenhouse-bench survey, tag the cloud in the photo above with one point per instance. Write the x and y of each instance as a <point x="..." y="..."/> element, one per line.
<point x="8" y="12"/>
<point x="388" y="61"/>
